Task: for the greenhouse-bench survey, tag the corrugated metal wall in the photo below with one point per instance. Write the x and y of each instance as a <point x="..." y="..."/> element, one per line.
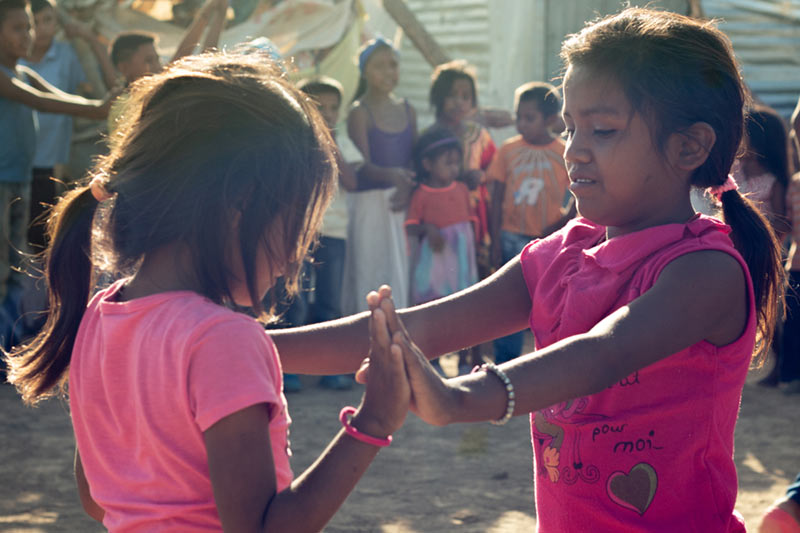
<point x="766" y="40"/>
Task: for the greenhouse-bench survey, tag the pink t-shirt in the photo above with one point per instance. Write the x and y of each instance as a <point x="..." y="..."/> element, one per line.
<point x="147" y="377"/>
<point x="653" y="452"/>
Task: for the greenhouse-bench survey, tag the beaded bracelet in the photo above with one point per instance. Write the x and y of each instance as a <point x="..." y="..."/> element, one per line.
<point x="344" y="417"/>
<point x="494" y="369"/>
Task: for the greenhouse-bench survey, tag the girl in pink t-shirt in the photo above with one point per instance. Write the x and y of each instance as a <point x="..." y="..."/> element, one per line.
<point x="645" y="314"/>
<point x="213" y="188"/>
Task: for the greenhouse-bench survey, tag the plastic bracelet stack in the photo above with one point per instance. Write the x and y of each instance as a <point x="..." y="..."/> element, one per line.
<point x="344" y="418"/>
<point x="491" y="367"/>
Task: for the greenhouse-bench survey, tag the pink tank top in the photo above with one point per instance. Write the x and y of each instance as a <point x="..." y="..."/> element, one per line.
<point x="653" y="452"/>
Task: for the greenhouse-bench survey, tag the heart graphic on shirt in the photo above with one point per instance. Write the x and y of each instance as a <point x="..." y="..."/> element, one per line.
<point x="634" y="490"/>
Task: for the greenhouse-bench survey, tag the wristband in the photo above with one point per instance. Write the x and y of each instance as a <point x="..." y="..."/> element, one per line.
<point x="344" y="417"/>
<point x="491" y="367"/>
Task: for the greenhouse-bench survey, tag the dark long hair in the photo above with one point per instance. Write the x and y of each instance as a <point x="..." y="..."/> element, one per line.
<point x="678" y="71"/>
<point x="209" y="136"/>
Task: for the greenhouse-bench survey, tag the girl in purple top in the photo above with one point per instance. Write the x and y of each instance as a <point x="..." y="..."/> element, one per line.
<point x="645" y="314"/>
<point x="384" y="129"/>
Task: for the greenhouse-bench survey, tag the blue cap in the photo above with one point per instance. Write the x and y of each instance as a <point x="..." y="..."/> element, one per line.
<point x="368" y="50"/>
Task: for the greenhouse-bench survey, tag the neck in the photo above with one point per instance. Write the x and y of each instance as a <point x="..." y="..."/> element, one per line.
<point x="165" y="269"/>
<point x="682" y="215"/>
<point x="453" y="125"/>
<point x="8" y="61"/>
<point x="545" y="138"/>
<point x="40" y="49"/>
<point x="376" y="96"/>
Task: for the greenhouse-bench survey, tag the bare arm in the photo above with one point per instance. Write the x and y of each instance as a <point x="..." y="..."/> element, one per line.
<point x="243" y="472"/>
<point x="698" y="296"/>
<point x="44" y="97"/>
<point x="463" y="319"/>
<point x="347" y="175"/>
<point x="195" y="30"/>
<point x="73" y="29"/>
<point x="89" y="505"/>
<point x="220" y="9"/>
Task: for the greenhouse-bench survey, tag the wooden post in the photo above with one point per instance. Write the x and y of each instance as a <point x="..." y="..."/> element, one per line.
<point x="415" y="31"/>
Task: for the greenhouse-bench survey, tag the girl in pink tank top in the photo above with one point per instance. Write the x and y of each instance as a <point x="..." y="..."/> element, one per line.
<point x="645" y="314"/>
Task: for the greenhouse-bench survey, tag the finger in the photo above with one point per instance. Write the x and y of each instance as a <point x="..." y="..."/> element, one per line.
<point x="380" y="332"/>
<point x="385" y="291"/>
<point x="373" y="299"/>
<point x="362" y="374"/>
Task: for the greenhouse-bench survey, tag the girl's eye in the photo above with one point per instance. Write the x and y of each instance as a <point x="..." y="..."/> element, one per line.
<point x="604" y="133"/>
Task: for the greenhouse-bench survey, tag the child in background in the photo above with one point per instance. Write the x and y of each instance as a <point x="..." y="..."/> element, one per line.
<point x="440" y="221"/>
<point x="528" y="184"/>
<point x="212" y="193"/>
<point x="763" y="171"/>
<point x="328" y="257"/>
<point x="56" y="62"/>
<point x="134" y="53"/>
<point x="22" y="93"/>
<point x="645" y="314"/>
<point x="454" y="97"/>
<point x="789" y="362"/>
<point x="383" y="128"/>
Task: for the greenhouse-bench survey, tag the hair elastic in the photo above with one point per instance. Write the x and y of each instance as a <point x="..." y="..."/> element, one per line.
<point x="365" y="54"/>
<point x="510" y="401"/>
<point x="98" y="188"/>
<point x="344" y="417"/>
<point x="441" y="142"/>
<point x="729" y="185"/>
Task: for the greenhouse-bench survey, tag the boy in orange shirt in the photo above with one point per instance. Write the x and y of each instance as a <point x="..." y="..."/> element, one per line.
<point x="529" y="186"/>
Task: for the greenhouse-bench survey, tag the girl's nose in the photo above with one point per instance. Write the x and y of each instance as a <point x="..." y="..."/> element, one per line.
<point x="576" y="151"/>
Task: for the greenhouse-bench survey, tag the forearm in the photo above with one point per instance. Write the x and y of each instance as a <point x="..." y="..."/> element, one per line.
<point x="192" y="37"/>
<point x="214" y="31"/>
<point x="104" y="62"/>
<point x="326" y="483"/>
<point x="543" y="378"/>
<point x="69" y="105"/>
<point x="371" y="176"/>
<point x="463" y="319"/>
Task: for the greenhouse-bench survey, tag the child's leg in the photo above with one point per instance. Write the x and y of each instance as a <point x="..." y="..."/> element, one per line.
<point x="790" y="362"/>
<point x="329" y="269"/>
<point x="509" y="347"/>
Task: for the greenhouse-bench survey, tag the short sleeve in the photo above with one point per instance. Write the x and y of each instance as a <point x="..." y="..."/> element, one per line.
<point x="232" y="365"/>
<point x="416" y="210"/>
<point x="497" y="168"/>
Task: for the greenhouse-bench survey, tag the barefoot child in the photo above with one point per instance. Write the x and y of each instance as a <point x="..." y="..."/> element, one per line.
<point x="645" y="314"/>
<point x="180" y="421"/>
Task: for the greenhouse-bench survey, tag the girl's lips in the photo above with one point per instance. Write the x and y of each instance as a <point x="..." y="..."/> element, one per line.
<point x="577" y="183"/>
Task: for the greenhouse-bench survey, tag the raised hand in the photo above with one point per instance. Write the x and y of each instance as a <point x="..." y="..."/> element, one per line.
<point x="432" y="398"/>
<point x="388" y="394"/>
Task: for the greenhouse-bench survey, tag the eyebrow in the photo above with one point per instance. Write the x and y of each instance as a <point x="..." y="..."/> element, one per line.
<point x="597" y="110"/>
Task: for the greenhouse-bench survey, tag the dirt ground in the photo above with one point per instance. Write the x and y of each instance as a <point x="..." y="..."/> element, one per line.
<point x="463" y="478"/>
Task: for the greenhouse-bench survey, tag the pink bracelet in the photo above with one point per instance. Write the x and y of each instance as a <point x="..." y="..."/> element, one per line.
<point x="344" y="418"/>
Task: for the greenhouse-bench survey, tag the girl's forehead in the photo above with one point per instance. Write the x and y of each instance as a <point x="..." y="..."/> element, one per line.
<point x="461" y="85"/>
<point x="587" y="89"/>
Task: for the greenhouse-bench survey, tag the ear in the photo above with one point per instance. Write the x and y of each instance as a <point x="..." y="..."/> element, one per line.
<point x="689" y="148"/>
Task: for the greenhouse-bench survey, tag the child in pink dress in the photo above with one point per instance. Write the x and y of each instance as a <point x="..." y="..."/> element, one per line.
<point x="440" y="221"/>
<point x="645" y="314"/>
<point x="211" y="194"/>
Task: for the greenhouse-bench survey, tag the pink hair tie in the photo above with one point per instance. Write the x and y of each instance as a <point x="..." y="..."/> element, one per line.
<point x="98" y="188"/>
<point x="729" y="185"/>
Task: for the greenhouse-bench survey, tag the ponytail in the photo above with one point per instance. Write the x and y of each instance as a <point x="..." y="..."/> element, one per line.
<point x="753" y="237"/>
<point x="41" y="365"/>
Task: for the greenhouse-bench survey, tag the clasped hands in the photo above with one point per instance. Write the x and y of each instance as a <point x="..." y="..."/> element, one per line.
<point x="430" y="397"/>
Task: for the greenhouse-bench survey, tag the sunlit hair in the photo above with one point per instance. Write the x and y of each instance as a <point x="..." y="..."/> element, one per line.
<point x="211" y="139"/>
<point x="677" y="71"/>
<point x="443" y="78"/>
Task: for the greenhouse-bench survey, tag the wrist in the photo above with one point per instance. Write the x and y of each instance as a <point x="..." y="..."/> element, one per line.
<point x="369" y="424"/>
